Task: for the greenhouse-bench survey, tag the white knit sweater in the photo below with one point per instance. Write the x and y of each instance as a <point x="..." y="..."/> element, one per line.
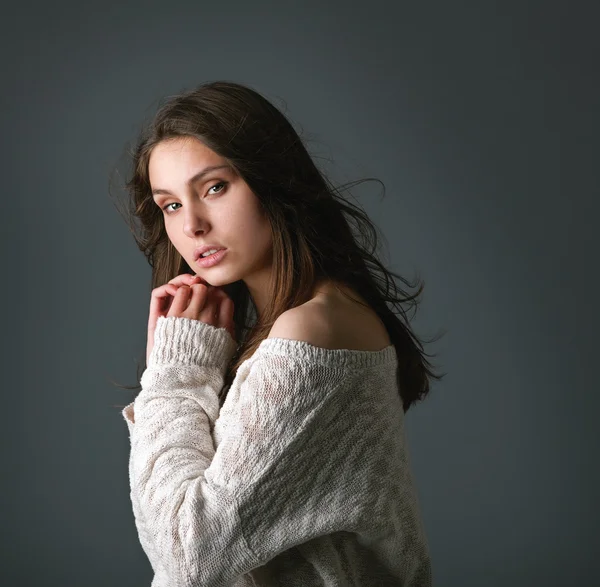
<point x="301" y="479"/>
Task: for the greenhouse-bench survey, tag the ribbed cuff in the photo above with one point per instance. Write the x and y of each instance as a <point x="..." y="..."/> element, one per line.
<point x="190" y="342"/>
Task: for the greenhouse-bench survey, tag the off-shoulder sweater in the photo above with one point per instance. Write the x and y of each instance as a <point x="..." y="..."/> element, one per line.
<point x="301" y="479"/>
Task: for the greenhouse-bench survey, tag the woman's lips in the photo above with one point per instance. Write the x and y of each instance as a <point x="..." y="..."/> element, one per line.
<point x="211" y="259"/>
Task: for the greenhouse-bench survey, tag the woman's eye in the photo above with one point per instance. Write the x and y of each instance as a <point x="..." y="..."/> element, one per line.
<point x="221" y="183"/>
<point x="171" y="204"/>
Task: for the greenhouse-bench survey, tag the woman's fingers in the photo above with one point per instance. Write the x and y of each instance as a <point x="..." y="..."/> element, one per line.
<point x="184" y="279"/>
<point x="180" y="301"/>
<point x="160" y="301"/>
<point x="189" y="296"/>
<point x="180" y="281"/>
<point x="203" y="304"/>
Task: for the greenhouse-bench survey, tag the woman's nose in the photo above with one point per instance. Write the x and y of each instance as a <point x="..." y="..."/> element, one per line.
<point x="194" y="223"/>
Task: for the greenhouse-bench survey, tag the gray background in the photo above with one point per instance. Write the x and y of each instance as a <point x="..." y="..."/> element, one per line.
<point x="482" y="120"/>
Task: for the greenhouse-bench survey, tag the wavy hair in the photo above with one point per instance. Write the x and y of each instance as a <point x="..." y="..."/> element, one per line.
<point x="310" y="221"/>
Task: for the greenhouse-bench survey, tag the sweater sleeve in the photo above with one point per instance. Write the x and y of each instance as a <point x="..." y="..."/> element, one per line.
<point x="140" y="522"/>
<point x="187" y="528"/>
<point x="210" y="516"/>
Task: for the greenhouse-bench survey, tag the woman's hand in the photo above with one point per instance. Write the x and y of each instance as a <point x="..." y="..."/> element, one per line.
<point x="189" y="296"/>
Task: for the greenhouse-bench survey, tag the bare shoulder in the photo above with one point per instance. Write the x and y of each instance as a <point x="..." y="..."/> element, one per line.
<point x="304" y="323"/>
<point x="332" y="323"/>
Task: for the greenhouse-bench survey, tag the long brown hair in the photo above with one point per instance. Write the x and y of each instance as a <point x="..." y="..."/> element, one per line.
<point x="312" y="238"/>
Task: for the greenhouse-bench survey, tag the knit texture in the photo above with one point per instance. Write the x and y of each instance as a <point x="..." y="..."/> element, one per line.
<point x="301" y="479"/>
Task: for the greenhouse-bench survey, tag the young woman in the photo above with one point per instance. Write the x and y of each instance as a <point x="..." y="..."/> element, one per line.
<point x="267" y="438"/>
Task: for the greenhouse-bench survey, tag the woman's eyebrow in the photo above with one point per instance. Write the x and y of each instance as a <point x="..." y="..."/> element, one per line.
<point x="193" y="179"/>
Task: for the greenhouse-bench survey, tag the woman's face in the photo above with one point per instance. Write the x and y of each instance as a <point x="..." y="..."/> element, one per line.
<point x="217" y="208"/>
